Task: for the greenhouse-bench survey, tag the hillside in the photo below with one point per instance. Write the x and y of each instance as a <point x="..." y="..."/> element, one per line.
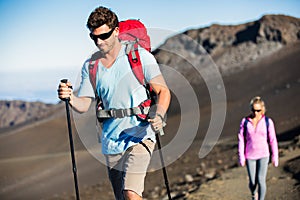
<point x="17" y="113"/>
<point x="231" y="47"/>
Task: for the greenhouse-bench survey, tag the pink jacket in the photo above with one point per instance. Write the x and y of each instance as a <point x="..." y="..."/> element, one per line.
<point x="257" y="146"/>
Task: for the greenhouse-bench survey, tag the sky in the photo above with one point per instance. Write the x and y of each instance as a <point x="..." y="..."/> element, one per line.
<point x="44" y="41"/>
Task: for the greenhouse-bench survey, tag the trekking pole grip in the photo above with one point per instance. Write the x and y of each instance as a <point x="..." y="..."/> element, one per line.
<point x="66" y="81"/>
<point x="152" y="115"/>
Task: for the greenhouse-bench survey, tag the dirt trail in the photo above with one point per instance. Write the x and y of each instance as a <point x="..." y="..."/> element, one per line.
<point x="233" y="184"/>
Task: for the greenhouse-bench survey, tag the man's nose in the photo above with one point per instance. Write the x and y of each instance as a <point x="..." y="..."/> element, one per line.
<point x="99" y="41"/>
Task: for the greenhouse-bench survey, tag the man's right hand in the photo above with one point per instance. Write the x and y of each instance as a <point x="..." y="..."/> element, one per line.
<point x="65" y="91"/>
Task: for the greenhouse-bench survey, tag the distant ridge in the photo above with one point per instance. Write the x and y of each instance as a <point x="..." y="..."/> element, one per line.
<point x="269" y="28"/>
<point x="232" y="47"/>
<point x="16" y="113"/>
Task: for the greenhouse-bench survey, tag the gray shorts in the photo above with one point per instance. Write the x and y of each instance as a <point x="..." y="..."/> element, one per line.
<point x="127" y="170"/>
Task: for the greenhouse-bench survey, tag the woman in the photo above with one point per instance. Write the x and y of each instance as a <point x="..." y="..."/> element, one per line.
<point x="256" y="136"/>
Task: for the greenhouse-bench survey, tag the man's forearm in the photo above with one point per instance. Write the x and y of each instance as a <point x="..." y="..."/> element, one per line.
<point x="164" y="98"/>
<point x="80" y="104"/>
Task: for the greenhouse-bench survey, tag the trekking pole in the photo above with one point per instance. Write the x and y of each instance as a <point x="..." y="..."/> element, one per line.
<point x="161" y="132"/>
<point x="67" y="100"/>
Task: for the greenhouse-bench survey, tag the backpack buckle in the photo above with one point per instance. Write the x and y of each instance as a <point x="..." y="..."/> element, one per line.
<point x="117" y="113"/>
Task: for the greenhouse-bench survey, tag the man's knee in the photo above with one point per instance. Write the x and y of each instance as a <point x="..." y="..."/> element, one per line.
<point x="131" y="195"/>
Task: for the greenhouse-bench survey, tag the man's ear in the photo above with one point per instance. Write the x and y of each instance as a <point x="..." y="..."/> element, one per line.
<point x="117" y="31"/>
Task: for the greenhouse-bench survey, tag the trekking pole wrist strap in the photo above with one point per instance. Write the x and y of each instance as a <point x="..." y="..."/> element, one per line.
<point x="161" y="117"/>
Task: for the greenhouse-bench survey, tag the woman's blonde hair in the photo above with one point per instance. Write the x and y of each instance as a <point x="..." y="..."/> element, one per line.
<point x="258" y="100"/>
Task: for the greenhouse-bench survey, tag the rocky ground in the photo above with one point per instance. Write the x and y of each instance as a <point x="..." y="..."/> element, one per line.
<point x="218" y="177"/>
<point x="233" y="185"/>
<point x="283" y="182"/>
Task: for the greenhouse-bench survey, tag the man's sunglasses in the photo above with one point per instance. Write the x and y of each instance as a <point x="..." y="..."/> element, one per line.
<point x="253" y="110"/>
<point x="102" y="36"/>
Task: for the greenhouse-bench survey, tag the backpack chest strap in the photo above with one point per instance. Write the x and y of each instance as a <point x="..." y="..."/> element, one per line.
<point x="121" y="113"/>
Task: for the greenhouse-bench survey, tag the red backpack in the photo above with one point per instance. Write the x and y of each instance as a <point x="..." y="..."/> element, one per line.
<point x="135" y="33"/>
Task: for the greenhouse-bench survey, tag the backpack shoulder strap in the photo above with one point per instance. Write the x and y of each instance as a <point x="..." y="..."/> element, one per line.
<point x="134" y="59"/>
<point x="245" y="132"/>
<point x="245" y="127"/>
<point x="135" y="62"/>
<point x="93" y="68"/>
<point x="267" y="126"/>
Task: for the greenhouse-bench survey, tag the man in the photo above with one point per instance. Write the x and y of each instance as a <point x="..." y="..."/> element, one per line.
<point x="127" y="142"/>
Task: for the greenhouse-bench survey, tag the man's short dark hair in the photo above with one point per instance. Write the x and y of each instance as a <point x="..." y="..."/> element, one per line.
<point x="101" y="16"/>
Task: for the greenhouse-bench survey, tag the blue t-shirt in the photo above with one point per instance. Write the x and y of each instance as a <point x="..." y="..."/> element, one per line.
<point x="119" y="89"/>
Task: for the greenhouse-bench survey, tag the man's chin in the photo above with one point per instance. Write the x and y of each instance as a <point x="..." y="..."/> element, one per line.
<point x="103" y="51"/>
